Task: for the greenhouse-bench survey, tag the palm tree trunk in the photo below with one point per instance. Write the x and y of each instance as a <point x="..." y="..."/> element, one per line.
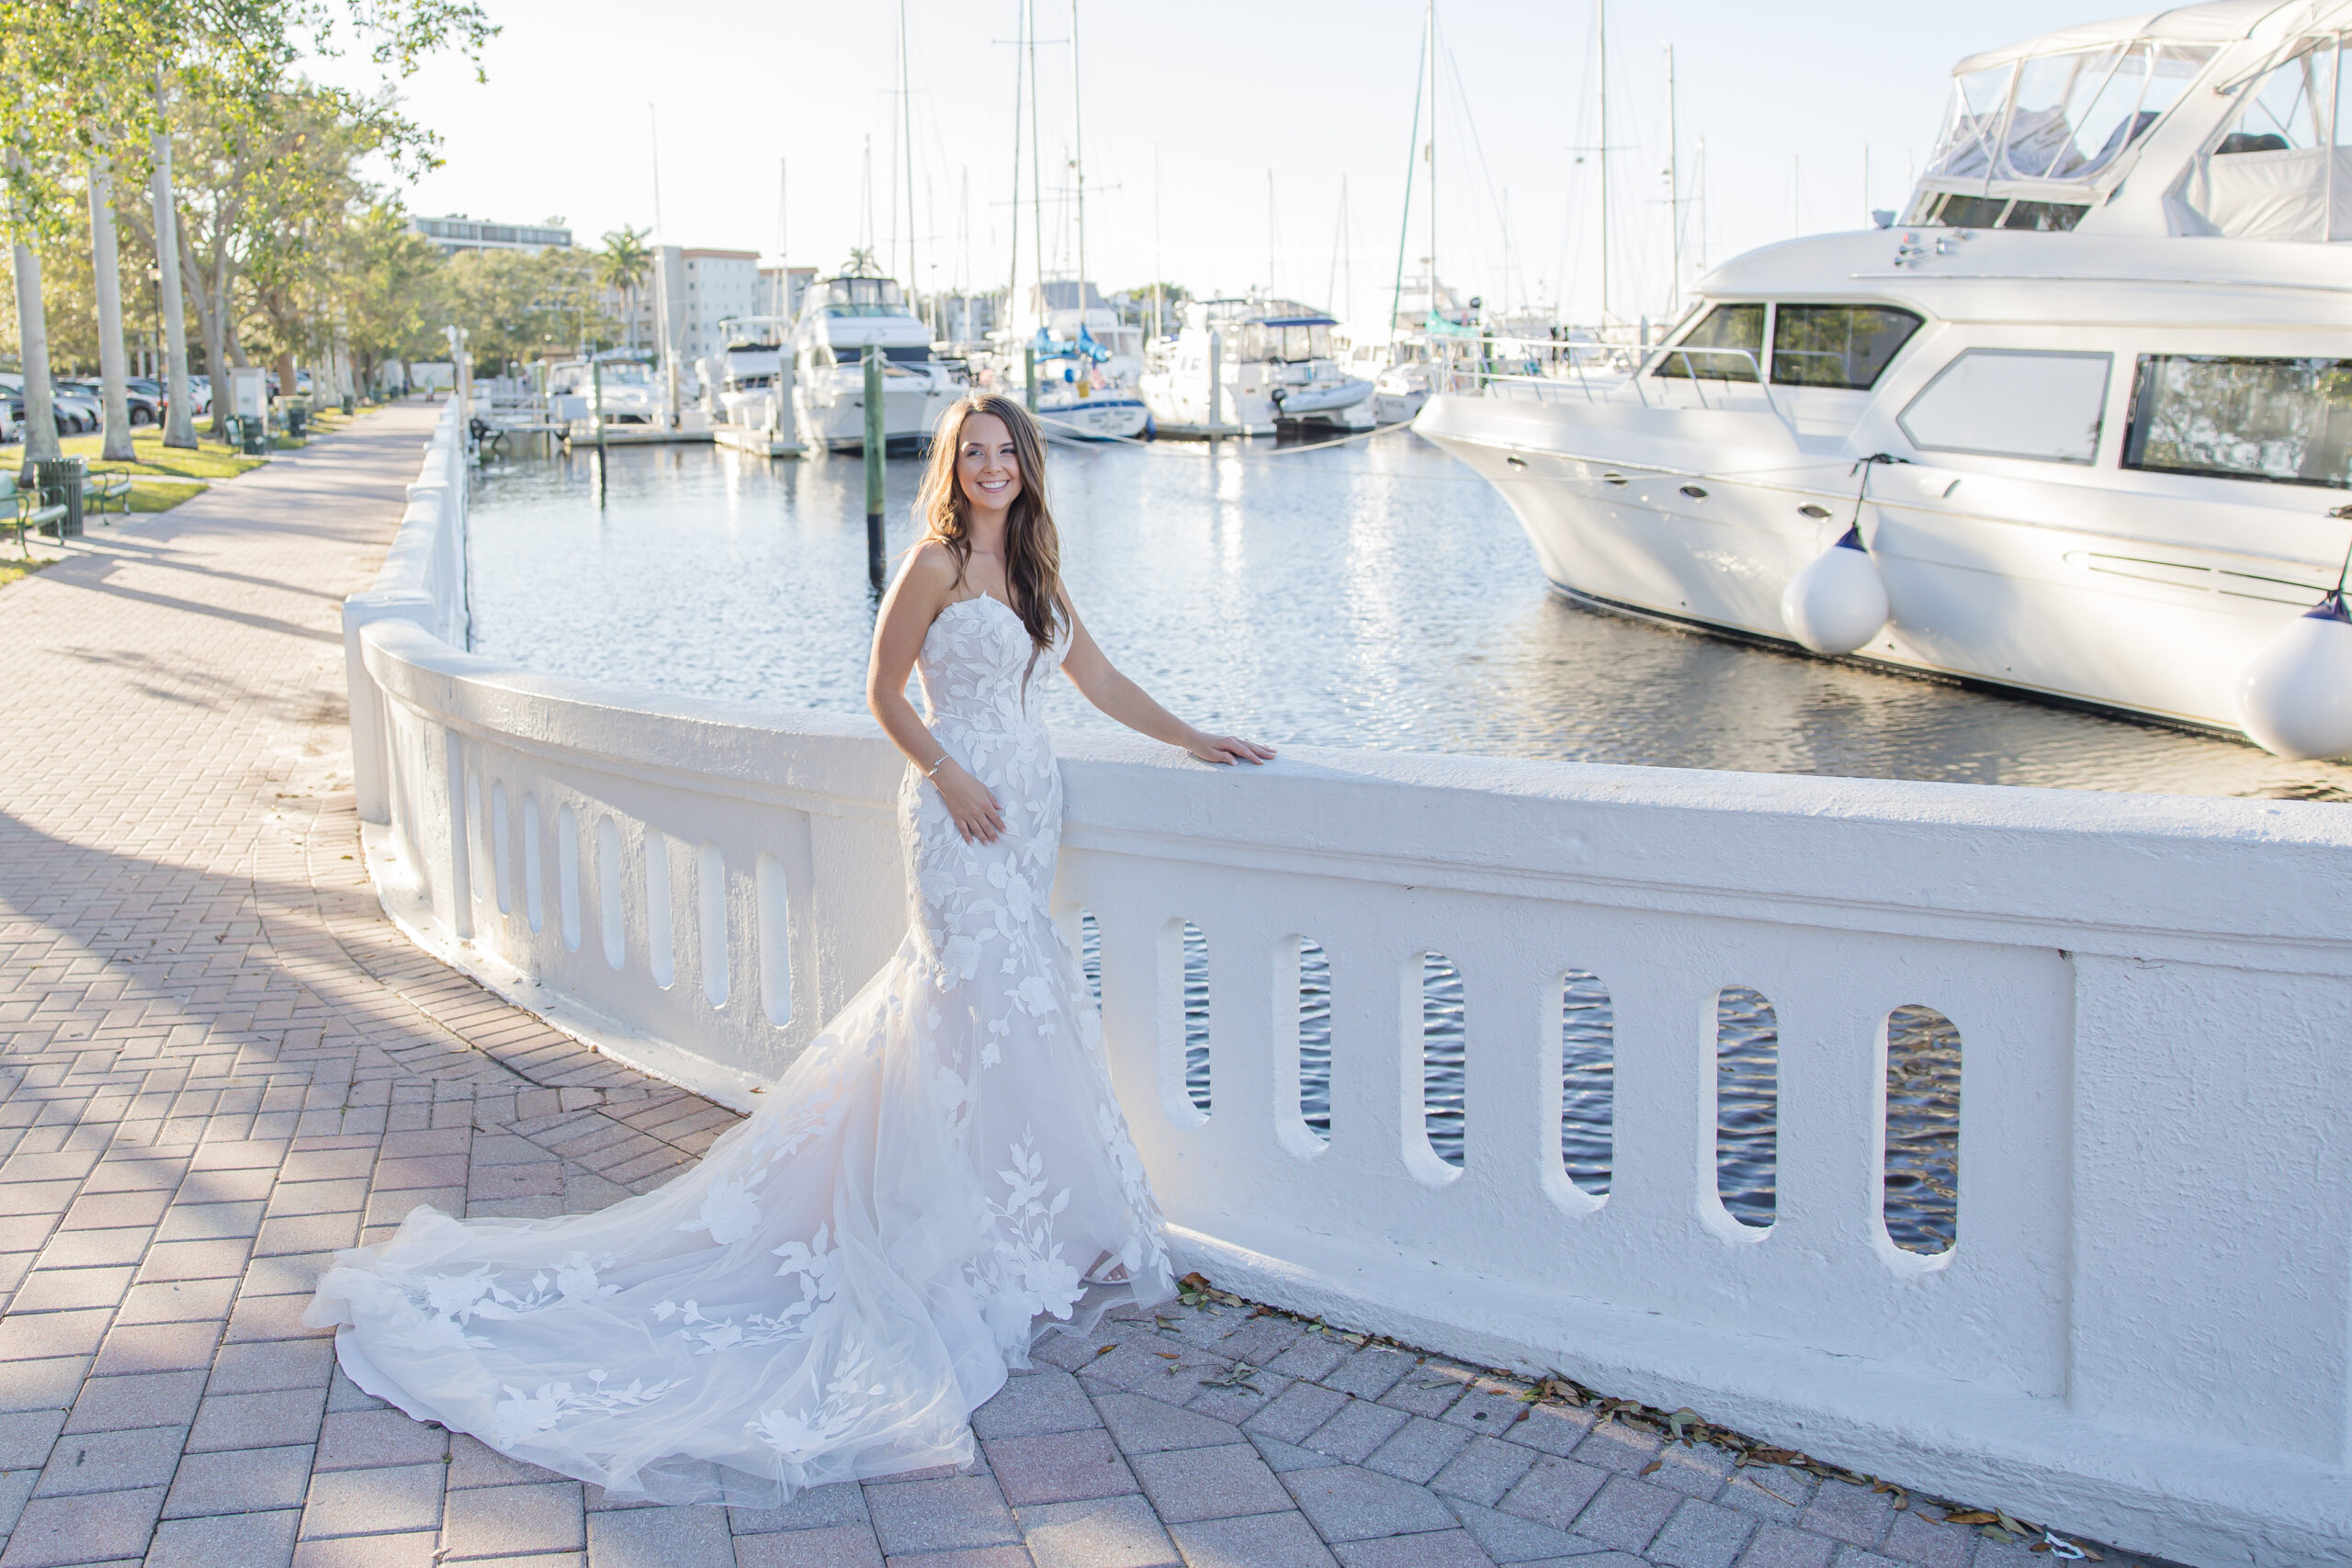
<point x="32" y="338"/>
<point x="108" y="268"/>
<point x="179" y="424"/>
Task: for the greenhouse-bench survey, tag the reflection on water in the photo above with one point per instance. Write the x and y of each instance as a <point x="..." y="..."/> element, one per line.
<point x="1374" y="595"/>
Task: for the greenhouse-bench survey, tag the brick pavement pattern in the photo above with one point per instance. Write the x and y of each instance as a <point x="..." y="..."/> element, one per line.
<point x="219" y="1063"/>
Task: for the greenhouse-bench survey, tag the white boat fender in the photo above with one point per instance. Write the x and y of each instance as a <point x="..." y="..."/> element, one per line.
<point x="2295" y="695"/>
<point x="1838" y="603"/>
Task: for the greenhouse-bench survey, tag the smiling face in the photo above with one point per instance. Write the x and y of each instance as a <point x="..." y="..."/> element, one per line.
<point x="987" y="466"/>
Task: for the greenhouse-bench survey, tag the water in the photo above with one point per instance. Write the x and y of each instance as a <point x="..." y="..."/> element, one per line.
<point x="1374" y="595"/>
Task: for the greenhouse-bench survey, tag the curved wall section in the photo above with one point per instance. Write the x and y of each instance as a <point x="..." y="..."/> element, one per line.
<point x="2141" y="1335"/>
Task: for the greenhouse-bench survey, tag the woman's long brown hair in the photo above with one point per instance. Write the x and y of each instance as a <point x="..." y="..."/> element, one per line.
<point x="1032" y="550"/>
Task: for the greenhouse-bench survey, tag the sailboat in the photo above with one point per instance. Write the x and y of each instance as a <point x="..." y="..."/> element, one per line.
<point x="1064" y="350"/>
<point x="1396" y="356"/>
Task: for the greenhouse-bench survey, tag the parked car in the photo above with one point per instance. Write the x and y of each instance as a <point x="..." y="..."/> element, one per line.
<point x="199" y="399"/>
<point x="74" y="415"/>
<point x="81" y="408"/>
<point x="142" y="407"/>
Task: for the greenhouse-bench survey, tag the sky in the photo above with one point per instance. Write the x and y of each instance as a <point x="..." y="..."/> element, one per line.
<point x="1228" y="145"/>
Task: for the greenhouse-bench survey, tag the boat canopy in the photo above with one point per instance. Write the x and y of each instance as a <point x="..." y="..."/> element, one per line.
<point x="2224" y="21"/>
<point x="2222" y="118"/>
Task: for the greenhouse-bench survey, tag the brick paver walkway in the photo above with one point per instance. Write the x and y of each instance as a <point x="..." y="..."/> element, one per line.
<point x="218" y="1064"/>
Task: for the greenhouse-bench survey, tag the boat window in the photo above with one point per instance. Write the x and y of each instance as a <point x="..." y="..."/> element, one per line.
<point x="2062" y="116"/>
<point x="1305" y="343"/>
<point x="1838" y="345"/>
<point x="2045" y="216"/>
<point x="898" y="353"/>
<point x="1724" y="346"/>
<point x="1976" y="119"/>
<point x="2283" y="420"/>
<point x="2005" y="402"/>
<point x="2287" y="110"/>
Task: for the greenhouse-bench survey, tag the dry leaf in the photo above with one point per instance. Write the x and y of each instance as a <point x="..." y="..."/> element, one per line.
<point x="1654" y="1467"/>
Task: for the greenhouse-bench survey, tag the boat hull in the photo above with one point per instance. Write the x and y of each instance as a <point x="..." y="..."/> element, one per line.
<point x="2060" y="589"/>
<point x="1095" y="419"/>
<point x="832" y="418"/>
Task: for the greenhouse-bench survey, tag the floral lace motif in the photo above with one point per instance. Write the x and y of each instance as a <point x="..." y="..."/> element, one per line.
<point x="817" y="1300"/>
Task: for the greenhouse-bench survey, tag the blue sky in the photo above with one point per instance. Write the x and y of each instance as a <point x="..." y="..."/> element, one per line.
<point x="1218" y="134"/>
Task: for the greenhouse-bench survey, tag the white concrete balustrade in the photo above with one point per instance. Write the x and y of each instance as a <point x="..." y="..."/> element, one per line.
<point x="2144" y="1331"/>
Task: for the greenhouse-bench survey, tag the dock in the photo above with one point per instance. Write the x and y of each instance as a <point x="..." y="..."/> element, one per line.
<point x="759" y="443"/>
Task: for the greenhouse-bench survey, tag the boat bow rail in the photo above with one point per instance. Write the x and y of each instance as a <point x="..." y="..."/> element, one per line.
<point x="2142" y="1333"/>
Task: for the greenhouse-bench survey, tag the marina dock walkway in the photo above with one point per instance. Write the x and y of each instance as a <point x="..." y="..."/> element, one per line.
<point x="219" y="1063"/>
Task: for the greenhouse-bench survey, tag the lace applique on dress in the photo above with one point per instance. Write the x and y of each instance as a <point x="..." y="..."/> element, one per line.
<point x="826" y="1294"/>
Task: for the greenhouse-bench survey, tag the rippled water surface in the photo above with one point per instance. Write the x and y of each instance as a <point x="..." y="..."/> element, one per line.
<point x="1377" y="595"/>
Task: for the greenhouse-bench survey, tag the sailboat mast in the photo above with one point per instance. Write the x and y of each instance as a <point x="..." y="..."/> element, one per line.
<point x="906" y="130"/>
<point x="1078" y="156"/>
<point x="1432" y="156"/>
<point x="1673" y="194"/>
<point x="1159" y="273"/>
<point x="1601" y="9"/>
<point x="1020" y="68"/>
<point x="1405" y="220"/>
<point x="1037" y="164"/>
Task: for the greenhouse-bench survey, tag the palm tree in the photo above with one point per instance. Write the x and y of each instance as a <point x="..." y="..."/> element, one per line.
<point x="623" y="265"/>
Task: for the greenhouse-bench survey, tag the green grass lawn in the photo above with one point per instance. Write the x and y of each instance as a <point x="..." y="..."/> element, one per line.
<point x="167" y="475"/>
<point x="10" y="570"/>
<point x="208" y="461"/>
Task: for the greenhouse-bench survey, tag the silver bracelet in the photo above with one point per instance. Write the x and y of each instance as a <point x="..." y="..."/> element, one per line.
<point x="932" y="771"/>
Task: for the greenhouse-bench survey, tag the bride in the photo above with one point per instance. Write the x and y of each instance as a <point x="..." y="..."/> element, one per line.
<point x="941" y="1175"/>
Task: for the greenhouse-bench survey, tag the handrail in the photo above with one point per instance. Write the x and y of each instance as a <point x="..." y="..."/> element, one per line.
<point x="1638" y="373"/>
<point x="2144" y="1333"/>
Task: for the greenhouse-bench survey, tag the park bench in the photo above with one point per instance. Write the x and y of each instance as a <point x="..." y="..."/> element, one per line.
<point x="24" y="508"/>
<point x="99" y="489"/>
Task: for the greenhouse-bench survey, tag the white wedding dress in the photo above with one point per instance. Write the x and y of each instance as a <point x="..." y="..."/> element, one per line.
<point x="846" y="1275"/>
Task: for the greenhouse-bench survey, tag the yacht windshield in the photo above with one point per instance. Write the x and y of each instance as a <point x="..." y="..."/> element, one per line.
<point x="864" y="297"/>
<point x="2062" y="116"/>
<point x="616" y="371"/>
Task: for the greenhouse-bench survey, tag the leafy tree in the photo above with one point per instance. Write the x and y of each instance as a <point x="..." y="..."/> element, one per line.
<point x="86" y="83"/>
<point x="517" y="306"/>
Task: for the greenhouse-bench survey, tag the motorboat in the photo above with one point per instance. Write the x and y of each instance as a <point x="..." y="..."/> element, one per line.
<point x="1249" y="367"/>
<point x="2079" y="426"/>
<point x="741" y="381"/>
<point x="1089" y="364"/>
<point x="616" y="385"/>
<point x="840" y="319"/>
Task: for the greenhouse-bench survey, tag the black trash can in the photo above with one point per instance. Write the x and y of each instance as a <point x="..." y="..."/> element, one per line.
<point x="250" y="434"/>
<point x="59" y="483"/>
<point x="298" y="418"/>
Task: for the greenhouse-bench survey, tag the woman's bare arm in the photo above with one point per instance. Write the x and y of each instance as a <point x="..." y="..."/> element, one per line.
<point x="1104" y="686"/>
<point x="922" y="591"/>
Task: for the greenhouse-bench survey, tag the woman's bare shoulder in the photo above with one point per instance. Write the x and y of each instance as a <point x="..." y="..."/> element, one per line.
<point x="932" y="567"/>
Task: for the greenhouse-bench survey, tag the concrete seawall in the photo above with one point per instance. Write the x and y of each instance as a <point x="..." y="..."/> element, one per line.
<point x="2144" y="1329"/>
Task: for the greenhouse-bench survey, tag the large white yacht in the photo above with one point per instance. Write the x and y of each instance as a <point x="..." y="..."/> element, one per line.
<point x="1272" y="366"/>
<point x="2085" y="415"/>
<point x="840" y="317"/>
